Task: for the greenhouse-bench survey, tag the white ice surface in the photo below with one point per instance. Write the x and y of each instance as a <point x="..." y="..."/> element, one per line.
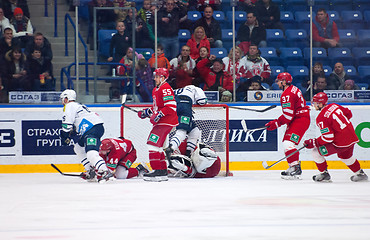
<point x="251" y="205"/>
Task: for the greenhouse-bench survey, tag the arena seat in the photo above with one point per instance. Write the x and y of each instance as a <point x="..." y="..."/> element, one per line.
<point x="220" y="17"/>
<point x="327" y="70"/>
<point x="287" y="18"/>
<point x="362" y="55"/>
<point x="352" y="72"/>
<point x="275" y="38"/>
<point x="298" y="73"/>
<point x="342" y="55"/>
<point x="104" y="38"/>
<point x="334" y="16"/>
<point x="296" y="5"/>
<point x="276" y="70"/>
<point x="347" y="38"/>
<point x="364" y="73"/>
<point x="318" y="55"/>
<point x="303" y="19"/>
<point x="184" y="36"/>
<point x="269" y="53"/>
<point x="194" y="15"/>
<point x="291" y="56"/>
<point x="352" y="20"/>
<point x="146" y="52"/>
<point x="341" y="5"/>
<point x="361" y="5"/>
<point x="219" y="52"/>
<point x="227" y="38"/>
<point x="367" y="17"/>
<point x="296" y="38"/>
<point x="363" y="37"/>
<point x="363" y="86"/>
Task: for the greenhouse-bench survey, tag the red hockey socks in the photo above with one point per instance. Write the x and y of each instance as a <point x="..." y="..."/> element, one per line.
<point x="294" y="159"/>
<point x="322" y="166"/>
<point x="355" y="167"/>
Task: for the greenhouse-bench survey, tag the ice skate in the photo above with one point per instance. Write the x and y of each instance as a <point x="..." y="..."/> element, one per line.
<point x="105" y="176"/>
<point x="158" y="175"/>
<point x="89" y="175"/>
<point x="360" y="176"/>
<point x="322" y="177"/>
<point x="142" y="170"/>
<point x="293" y="172"/>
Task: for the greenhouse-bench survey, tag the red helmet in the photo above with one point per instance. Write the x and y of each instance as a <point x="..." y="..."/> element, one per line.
<point x="285" y="76"/>
<point x="162" y="72"/>
<point x="320" y="97"/>
<point x="105" y="147"/>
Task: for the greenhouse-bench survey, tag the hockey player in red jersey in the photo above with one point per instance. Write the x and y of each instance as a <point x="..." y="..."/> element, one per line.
<point x="163" y="117"/>
<point x="297" y="118"/>
<point x="337" y="137"/>
<point x="119" y="154"/>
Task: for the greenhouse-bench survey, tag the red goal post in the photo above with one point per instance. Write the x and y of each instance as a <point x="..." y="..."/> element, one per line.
<point x="212" y="120"/>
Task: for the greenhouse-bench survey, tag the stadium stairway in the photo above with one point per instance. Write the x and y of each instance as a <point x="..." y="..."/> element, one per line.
<point x="45" y="25"/>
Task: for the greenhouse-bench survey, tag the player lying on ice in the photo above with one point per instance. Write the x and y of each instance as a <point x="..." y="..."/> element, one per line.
<point x="202" y="163"/>
<point x="337" y="137"/>
<point x="119" y="154"/>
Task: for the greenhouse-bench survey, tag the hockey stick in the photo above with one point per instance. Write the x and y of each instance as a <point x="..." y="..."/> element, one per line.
<point x="65" y="174"/>
<point x="255" y="110"/>
<point x="244" y="126"/>
<point x="123" y="101"/>
<point x="266" y="166"/>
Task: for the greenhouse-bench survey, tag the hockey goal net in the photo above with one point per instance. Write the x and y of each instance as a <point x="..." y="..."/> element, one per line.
<point x="212" y="120"/>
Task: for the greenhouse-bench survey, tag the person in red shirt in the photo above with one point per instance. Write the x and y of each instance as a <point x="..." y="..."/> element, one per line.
<point x="163" y="117"/>
<point x="324" y="31"/>
<point x="198" y="40"/>
<point x="119" y="154"/>
<point x="337" y="137"/>
<point x="296" y="116"/>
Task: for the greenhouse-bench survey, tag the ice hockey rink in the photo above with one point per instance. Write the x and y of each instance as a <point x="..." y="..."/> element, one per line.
<point x="250" y="205"/>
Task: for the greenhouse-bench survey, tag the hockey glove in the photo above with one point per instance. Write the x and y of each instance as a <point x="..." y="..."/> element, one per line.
<point x="310" y="143"/>
<point x="65" y="138"/>
<point x="272" y="125"/>
<point x="145" y="113"/>
<point x="154" y="119"/>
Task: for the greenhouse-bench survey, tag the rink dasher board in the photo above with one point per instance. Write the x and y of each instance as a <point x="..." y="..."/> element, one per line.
<point x="25" y="130"/>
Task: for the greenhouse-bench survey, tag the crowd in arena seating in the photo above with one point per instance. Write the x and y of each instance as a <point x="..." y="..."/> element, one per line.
<point x="192" y="60"/>
<point x="25" y="55"/>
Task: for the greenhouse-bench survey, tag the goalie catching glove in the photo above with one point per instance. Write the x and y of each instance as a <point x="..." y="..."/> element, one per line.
<point x="181" y="166"/>
<point x="145" y="113"/>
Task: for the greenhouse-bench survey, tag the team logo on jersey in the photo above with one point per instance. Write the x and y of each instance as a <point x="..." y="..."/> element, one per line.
<point x="185" y="120"/>
<point x="323" y="151"/>
<point x="91" y="142"/>
<point x="128" y="164"/>
<point x="153" y="138"/>
<point x="166" y="98"/>
<point x="286" y="105"/>
<point x="325" y="130"/>
<point x="294" y="138"/>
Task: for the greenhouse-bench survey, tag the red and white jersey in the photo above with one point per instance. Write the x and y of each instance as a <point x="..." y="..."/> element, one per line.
<point x="122" y="153"/>
<point x="256" y="68"/>
<point x="293" y="105"/>
<point x="164" y="101"/>
<point x="335" y="126"/>
<point x="239" y="67"/>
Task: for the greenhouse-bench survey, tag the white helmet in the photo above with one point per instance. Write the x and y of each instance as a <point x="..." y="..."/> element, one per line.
<point x="69" y="94"/>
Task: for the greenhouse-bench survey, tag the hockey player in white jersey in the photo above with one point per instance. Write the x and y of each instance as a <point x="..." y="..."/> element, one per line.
<point x="78" y="119"/>
<point x="185" y="98"/>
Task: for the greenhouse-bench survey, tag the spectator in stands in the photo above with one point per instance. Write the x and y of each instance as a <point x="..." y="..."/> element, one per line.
<point x="128" y="61"/>
<point x="121" y="14"/>
<point x="319" y="86"/>
<point x="40" y="71"/>
<point x="215" y="4"/>
<point x="268" y="14"/>
<point x="239" y="63"/>
<point x="142" y="34"/>
<point x="251" y="32"/>
<point x="317" y="70"/>
<point x="145" y="12"/>
<point x="253" y="83"/>
<point x="181" y="76"/>
<point x="337" y="77"/>
<point x="185" y="58"/>
<point x="4" y="22"/>
<point x="146" y="83"/>
<point x="40" y="42"/>
<point x="215" y="78"/>
<point x="168" y="27"/>
<point x="254" y="65"/>
<point x="197" y="78"/>
<point x="7" y="42"/>
<point x="211" y="26"/>
<point x="105" y="18"/>
<point x="15" y="74"/>
<point x="3" y="91"/>
<point x="198" y="40"/>
<point x="324" y="31"/>
<point x="10" y="5"/>
<point x="119" y="44"/>
<point x="162" y="61"/>
<point x="22" y="27"/>
<point x="349" y="84"/>
<point x="247" y="5"/>
<point x="226" y="96"/>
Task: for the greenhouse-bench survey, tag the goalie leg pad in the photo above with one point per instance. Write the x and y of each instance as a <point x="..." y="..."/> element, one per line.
<point x="203" y="157"/>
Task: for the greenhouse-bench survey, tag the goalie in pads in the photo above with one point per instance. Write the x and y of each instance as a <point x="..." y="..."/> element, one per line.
<point x="203" y="163"/>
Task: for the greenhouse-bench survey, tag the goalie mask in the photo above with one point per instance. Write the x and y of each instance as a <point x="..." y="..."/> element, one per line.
<point x="203" y="157"/>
